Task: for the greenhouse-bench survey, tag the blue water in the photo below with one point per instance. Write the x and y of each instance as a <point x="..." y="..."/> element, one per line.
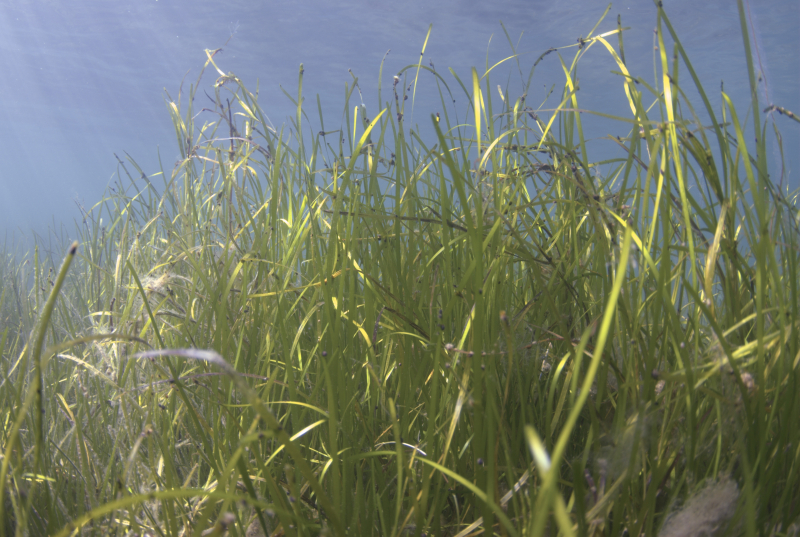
<point x="84" y="80"/>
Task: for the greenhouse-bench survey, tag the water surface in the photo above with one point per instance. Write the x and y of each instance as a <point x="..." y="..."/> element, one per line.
<point x="85" y="80"/>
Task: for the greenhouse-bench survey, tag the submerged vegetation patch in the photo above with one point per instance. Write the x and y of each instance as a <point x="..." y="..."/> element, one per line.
<point x="366" y="332"/>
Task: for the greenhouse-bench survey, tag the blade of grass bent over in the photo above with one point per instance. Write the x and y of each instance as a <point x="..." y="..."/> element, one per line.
<point x="35" y="392"/>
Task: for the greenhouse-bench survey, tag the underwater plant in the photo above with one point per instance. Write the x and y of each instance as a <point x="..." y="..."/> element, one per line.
<point x="367" y="332"/>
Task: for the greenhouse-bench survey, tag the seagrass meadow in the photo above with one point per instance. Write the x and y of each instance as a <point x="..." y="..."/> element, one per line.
<point x="377" y="328"/>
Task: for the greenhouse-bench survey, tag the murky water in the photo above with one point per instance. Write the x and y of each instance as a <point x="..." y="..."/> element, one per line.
<point x="82" y="81"/>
